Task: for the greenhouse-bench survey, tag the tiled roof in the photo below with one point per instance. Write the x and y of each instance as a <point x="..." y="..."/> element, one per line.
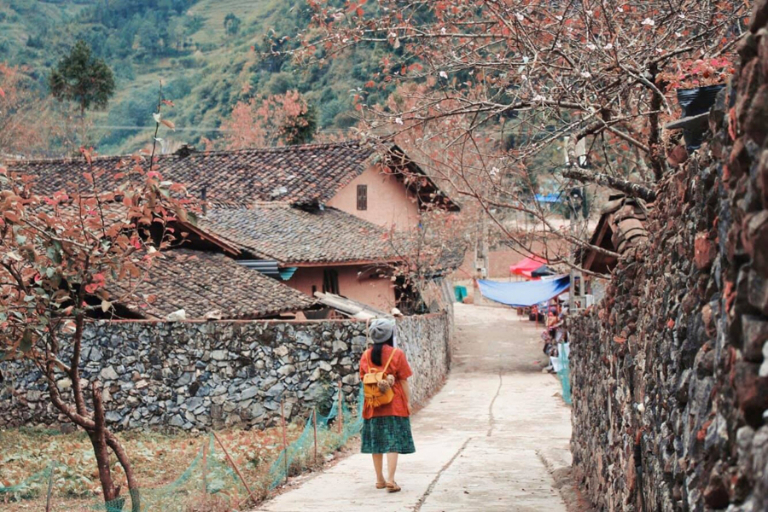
<point x="621" y="228"/>
<point x="202" y="283"/>
<point x="295" y="174"/>
<point x="629" y="221"/>
<point x="294" y="236"/>
<point x="303" y="174"/>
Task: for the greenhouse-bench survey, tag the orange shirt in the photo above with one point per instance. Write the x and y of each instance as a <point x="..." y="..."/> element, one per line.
<point x="401" y="370"/>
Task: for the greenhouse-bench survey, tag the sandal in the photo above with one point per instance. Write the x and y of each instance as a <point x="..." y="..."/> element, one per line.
<point x="393" y="487"/>
<point x="381" y="485"/>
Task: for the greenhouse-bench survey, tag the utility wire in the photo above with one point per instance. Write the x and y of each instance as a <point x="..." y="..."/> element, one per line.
<point x="141" y="128"/>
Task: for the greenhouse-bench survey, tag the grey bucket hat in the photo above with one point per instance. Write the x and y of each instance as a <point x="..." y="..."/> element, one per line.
<point x="381" y="329"/>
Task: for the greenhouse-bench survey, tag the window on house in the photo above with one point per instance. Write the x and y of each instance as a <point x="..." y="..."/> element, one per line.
<point x="330" y="281"/>
<point x="362" y="197"/>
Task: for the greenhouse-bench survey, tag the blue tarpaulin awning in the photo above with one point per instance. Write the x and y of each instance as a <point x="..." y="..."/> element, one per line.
<point x="524" y="294"/>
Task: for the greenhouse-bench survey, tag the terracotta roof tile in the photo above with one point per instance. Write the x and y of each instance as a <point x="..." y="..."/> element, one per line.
<point x="295" y="174"/>
<point x="201" y="282"/>
<point x="303" y="174"/>
<point x="293" y="236"/>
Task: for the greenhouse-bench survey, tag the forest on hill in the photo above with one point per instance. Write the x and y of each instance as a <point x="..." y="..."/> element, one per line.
<point x="218" y="59"/>
<point x="210" y="54"/>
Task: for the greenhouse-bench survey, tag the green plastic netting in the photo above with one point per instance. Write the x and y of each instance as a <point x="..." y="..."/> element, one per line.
<point x="209" y="478"/>
<point x="209" y="475"/>
<point x="30" y="488"/>
<point x="333" y="432"/>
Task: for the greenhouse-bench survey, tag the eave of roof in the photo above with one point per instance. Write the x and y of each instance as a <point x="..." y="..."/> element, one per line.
<point x="349" y="263"/>
<point x="296" y="237"/>
<point x="202" y="282"/>
<point x="396" y="151"/>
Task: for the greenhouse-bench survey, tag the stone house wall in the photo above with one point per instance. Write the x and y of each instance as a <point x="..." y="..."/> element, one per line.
<point x="195" y="375"/>
<point x="669" y="373"/>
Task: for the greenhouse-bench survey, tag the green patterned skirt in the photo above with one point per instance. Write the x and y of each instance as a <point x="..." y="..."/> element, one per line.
<point x="387" y="434"/>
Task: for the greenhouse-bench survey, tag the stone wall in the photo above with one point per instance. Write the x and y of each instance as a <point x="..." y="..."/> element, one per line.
<point x="202" y="375"/>
<point x="669" y="371"/>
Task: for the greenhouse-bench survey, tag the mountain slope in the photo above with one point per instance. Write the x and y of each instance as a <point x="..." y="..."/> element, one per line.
<point x="205" y="68"/>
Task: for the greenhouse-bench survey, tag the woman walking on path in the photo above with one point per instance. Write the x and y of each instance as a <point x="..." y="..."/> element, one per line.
<point x="387" y="427"/>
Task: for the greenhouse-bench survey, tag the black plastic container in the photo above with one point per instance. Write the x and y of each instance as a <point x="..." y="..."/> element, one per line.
<point x="697" y="102"/>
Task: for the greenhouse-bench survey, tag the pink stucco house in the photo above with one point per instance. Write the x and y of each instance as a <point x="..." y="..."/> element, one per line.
<point x="315" y="216"/>
<point x="310" y="249"/>
<point x="375" y="182"/>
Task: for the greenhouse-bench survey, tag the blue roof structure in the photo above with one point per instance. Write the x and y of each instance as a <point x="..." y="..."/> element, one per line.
<point x="549" y="198"/>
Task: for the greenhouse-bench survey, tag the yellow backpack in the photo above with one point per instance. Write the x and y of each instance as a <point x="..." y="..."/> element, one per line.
<point x="377" y="389"/>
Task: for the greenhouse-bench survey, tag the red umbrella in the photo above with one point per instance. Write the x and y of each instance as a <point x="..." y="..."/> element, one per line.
<point x="527" y="266"/>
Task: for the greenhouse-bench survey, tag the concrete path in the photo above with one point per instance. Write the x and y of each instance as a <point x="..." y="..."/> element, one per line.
<point x="488" y="441"/>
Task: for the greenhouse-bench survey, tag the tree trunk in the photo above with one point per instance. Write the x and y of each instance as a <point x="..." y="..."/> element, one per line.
<point x="94" y="424"/>
<point x="83" y="136"/>
<point x="101" y="449"/>
<point x="654" y="137"/>
<point x="122" y="457"/>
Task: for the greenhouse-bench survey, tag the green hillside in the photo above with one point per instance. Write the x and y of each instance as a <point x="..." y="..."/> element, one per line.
<point x="206" y="69"/>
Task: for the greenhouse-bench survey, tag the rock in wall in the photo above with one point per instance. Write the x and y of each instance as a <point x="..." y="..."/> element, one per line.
<point x="210" y="375"/>
<point x="669" y="372"/>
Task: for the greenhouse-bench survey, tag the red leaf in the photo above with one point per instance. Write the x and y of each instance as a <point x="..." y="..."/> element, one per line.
<point x="2" y="93"/>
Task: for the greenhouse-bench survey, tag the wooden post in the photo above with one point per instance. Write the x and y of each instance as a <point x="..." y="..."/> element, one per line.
<point x="234" y="466"/>
<point x="50" y="487"/>
<point x="285" y="438"/>
<point x="341" y="415"/>
<point x="314" y="426"/>
<point x="205" y="469"/>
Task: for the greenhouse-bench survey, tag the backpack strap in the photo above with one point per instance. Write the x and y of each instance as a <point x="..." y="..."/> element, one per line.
<point x="390" y="359"/>
<point x="370" y="363"/>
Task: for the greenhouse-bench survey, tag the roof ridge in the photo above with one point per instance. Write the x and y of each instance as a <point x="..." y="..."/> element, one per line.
<point x="64" y="159"/>
<point x="287" y="205"/>
<point x="266" y="149"/>
<point x="249" y="205"/>
<point x="281" y="149"/>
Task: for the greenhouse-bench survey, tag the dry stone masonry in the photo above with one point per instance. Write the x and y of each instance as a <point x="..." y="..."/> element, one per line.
<point x="670" y="370"/>
<point x="211" y="375"/>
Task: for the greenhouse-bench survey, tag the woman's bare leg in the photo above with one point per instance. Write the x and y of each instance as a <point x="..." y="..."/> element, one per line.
<point x="391" y="466"/>
<point x="378" y="465"/>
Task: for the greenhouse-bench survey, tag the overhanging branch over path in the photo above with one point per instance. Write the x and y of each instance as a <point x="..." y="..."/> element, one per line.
<point x="628" y="187"/>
